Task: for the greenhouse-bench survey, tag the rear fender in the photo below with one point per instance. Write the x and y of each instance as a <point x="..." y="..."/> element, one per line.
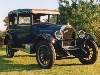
<point x="8" y="36"/>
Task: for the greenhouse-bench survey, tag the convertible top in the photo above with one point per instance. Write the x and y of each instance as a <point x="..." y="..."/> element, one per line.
<point x="34" y="11"/>
<point x="45" y="11"/>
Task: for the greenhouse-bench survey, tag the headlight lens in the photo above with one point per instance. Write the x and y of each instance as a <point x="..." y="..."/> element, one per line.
<point x="81" y="34"/>
<point x="58" y="35"/>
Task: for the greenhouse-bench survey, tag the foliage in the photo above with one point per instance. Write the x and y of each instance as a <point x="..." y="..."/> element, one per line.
<point x="65" y="11"/>
<point x="82" y="16"/>
<point x="6" y="21"/>
<point x="1" y="38"/>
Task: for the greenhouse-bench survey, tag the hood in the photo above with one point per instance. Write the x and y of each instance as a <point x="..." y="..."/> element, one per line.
<point x="47" y="27"/>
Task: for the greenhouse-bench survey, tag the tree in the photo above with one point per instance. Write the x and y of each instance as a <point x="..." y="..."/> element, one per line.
<point x="6" y="21"/>
<point x="82" y="16"/>
<point x="65" y="11"/>
<point x="1" y="38"/>
<point x="69" y="13"/>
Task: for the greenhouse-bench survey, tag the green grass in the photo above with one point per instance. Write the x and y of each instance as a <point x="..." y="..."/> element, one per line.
<point x="25" y="64"/>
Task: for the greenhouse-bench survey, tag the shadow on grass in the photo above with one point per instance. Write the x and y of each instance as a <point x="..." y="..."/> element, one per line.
<point x="25" y="56"/>
<point x="7" y="65"/>
<point x="3" y="61"/>
<point x="2" y="49"/>
<point x="68" y="64"/>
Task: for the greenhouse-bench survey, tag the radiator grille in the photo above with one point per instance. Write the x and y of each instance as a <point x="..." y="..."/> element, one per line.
<point x="68" y="36"/>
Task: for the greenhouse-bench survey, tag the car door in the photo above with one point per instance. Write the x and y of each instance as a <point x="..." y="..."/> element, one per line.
<point x="23" y="32"/>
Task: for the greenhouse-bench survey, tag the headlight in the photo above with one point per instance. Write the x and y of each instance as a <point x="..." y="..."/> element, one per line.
<point x="81" y="34"/>
<point x="58" y="35"/>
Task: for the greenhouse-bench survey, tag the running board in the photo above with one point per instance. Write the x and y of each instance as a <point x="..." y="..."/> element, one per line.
<point x="70" y="48"/>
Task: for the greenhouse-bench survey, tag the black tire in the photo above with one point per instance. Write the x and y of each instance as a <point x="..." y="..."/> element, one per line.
<point x="92" y="53"/>
<point x="9" y="51"/>
<point x="45" y="54"/>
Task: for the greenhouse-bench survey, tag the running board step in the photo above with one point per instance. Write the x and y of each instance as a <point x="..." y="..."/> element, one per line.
<point x="70" y="48"/>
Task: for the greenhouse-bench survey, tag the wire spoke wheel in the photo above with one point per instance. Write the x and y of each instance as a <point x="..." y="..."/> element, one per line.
<point x="91" y="53"/>
<point x="45" y="55"/>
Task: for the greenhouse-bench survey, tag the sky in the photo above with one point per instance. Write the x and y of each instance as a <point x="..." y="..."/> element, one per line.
<point x="8" y="5"/>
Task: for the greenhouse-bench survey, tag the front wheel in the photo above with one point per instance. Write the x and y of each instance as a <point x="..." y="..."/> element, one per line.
<point x="91" y="54"/>
<point x="45" y="54"/>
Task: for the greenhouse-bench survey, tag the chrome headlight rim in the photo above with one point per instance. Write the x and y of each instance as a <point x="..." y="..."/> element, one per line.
<point x="58" y="35"/>
<point x="81" y="34"/>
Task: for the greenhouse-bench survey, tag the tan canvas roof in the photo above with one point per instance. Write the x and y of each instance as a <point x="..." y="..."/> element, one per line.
<point x="45" y="11"/>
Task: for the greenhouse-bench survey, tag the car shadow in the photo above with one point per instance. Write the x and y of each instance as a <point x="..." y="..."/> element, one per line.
<point x="3" y="61"/>
<point x="74" y="64"/>
<point x="25" y="56"/>
<point x="7" y="65"/>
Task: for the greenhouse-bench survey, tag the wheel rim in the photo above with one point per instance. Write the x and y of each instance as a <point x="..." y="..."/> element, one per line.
<point x="89" y="52"/>
<point x="44" y="55"/>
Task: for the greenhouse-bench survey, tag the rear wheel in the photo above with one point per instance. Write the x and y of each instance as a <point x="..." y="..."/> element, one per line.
<point x="90" y="56"/>
<point x="45" y="55"/>
<point x="9" y="51"/>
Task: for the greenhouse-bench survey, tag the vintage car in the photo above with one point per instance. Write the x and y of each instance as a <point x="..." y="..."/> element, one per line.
<point x="40" y="31"/>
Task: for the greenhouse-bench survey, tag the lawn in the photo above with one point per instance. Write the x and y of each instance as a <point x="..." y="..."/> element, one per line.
<point x="25" y="64"/>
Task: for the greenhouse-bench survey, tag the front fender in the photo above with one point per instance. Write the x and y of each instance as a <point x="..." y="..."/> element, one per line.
<point x="46" y="36"/>
<point x="90" y="37"/>
<point x="42" y="37"/>
<point x="7" y="36"/>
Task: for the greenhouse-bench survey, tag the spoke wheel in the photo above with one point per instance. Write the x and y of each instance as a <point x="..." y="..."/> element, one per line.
<point x="45" y="55"/>
<point x="91" y="53"/>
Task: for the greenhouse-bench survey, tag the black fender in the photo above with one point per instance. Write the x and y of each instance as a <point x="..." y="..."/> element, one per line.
<point x="10" y="36"/>
<point x="88" y="37"/>
<point x="42" y="37"/>
<point x="91" y="43"/>
<point x="7" y="36"/>
<point x="45" y="36"/>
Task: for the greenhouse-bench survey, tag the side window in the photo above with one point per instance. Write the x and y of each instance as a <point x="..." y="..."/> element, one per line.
<point x="15" y="20"/>
<point x="44" y="19"/>
<point x="24" y="20"/>
<point x="53" y="19"/>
